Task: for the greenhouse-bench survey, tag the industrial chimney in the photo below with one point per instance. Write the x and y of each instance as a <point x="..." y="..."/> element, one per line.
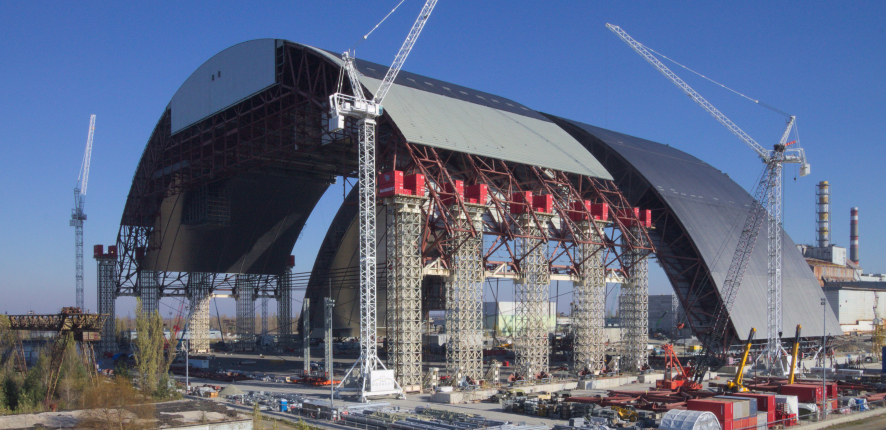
<point x="853" y="236"/>
<point x="823" y="195"/>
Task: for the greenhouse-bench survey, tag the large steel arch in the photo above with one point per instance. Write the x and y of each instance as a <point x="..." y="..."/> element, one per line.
<point x="698" y="212"/>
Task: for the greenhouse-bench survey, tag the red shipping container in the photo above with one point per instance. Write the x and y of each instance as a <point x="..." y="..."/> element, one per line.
<point x="449" y="197"/>
<point x="765" y="403"/>
<point x="579" y="210"/>
<point x="415" y="184"/>
<point x="97" y="251"/>
<point x="806" y="393"/>
<point x="831" y="390"/>
<point x="112" y="251"/>
<point x="477" y="193"/>
<point x="543" y="203"/>
<point x="291" y="261"/>
<point x="626" y="217"/>
<point x="722" y="410"/>
<point x="646" y="218"/>
<point x="600" y="211"/>
<point x="519" y="199"/>
<point x="390" y="183"/>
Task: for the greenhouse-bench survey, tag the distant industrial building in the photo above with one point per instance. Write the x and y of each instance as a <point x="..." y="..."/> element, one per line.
<point x="662" y="317"/>
<point x="502" y="317"/>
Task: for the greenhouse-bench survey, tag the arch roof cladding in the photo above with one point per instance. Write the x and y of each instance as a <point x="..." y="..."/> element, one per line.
<point x="443" y="115"/>
<point x="712" y="208"/>
<point x="427" y="111"/>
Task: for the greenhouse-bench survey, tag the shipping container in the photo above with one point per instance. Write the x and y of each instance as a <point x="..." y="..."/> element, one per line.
<point x="450" y="191"/>
<point x="519" y="201"/>
<point x="806" y="393"/>
<point x="476" y="194"/>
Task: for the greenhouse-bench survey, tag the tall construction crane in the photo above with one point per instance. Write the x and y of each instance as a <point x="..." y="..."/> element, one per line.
<point x="365" y="111"/>
<point x="767" y="204"/>
<point x="77" y="214"/>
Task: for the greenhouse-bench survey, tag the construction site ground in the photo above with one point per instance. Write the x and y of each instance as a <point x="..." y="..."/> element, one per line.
<point x="280" y="365"/>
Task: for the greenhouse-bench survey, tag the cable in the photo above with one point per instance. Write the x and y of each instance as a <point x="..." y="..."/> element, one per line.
<point x="376" y="26"/>
<point x="770" y="107"/>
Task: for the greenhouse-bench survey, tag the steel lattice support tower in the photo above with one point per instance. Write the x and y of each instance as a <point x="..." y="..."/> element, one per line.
<point x="77" y="219"/>
<point x="634" y="310"/>
<point x="199" y="295"/>
<point x="533" y="298"/>
<point x="306" y="335"/>
<point x="675" y="308"/>
<point x="264" y="316"/>
<point x="464" y="295"/>
<point x="149" y="291"/>
<point x="773" y="290"/>
<point x="284" y="308"/>
<point x="589" y="297"/>
<point x="245" y="296"/>
<point x="107" y="298"/>
<point x="328" y="306"/>
<point x="404" y="274"/>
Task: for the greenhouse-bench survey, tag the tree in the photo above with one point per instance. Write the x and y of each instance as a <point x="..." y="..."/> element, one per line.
<point x="152" y="359"/>
<point x="257" y="420"/>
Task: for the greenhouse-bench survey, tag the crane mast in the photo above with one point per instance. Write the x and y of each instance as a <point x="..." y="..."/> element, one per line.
<point x="77" y="213"/>
<point x="767" y="203"/>
<point x="365" y="112"/>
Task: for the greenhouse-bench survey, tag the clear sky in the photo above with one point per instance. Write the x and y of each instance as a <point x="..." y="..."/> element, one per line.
<point x="62" y="61"/>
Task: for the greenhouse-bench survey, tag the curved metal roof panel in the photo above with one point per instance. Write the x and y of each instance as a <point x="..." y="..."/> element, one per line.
<point x="713" y="209"/>
<point x="447" y="116"/>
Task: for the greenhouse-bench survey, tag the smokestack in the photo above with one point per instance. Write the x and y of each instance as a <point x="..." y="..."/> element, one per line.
<point x="823" y="193"/>
<point x="853" y="236"/>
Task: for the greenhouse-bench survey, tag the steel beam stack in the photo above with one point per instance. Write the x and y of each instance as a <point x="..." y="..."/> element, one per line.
<point x="149" y="291"/>
<point x="199" y="294"/>
<point x="404" y="274"/>
<point x="533" y="295"/>
<point x="107" y="285"/>
<point x="464" y="295"/>
<point x="634" y="310"/>
<point x="284" y="308"/>
<point x="245" y="296"/>
<point x="588" y="318"/>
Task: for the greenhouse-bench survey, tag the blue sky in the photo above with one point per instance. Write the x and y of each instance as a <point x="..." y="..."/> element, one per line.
<point x="62" y="61"/>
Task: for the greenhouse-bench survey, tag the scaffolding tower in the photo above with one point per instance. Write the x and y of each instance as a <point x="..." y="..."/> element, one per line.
<point x="245" y="297"/>
<point x="634" y="310"/>
<point x="149" y="291"/>
<point x="328" y="306"/>
<point x="533" y="298"/>
<point x="589" y="298"/>
<point x="404" y="275"/>
<point x="306" y="335"/>
<point x="464" y="295"/>
<point x="107" y="286"/>
<point x="284" y="308"/>
<point x="199" y="295"/>
<point x="264" y="316"/>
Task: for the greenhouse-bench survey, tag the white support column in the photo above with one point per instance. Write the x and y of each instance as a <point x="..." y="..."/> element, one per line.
<point x="634" y="310"/>
<point x="404" y="276"/>
<point x="199" y="295"/>
<point x="532" y="344"/>
<point x="464" y="297"/>
<point x="589" y="314"/>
